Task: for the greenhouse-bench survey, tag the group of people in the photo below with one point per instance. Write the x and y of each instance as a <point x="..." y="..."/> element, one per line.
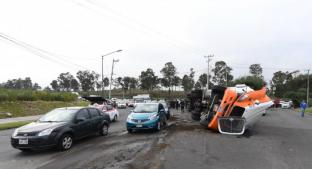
<point x="179" y="104"/>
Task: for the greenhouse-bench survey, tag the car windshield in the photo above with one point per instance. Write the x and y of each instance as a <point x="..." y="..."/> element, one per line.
<point x="58" y="115"/>
<point x="146" y="108"/>
<point x="139" y="101"/>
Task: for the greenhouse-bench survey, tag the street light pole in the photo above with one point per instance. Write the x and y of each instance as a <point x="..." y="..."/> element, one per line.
<point x="102" y="78"/>
<point x="208" y="72"/>
<point x="103" y="87"/>
<point x="308" y="86"/>
<point x="111" y="79"/>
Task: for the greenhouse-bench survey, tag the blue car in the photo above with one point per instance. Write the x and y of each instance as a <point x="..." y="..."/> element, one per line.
<point x="147" y="116"/>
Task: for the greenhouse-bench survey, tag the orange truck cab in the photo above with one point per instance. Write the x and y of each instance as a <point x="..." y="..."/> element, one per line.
<point x="233" y="109"/>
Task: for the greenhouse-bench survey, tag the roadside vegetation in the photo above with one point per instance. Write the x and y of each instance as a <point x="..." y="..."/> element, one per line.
<point x="11" y="125"/>
<point x="35" y="95"/>
<point x="28" y="108"/>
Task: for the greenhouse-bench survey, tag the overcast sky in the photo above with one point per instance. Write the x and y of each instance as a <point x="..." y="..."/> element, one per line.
<point x="75" y="33"/>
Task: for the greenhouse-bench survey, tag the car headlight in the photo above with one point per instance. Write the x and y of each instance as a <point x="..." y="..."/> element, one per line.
<point x="15" y="133"/>
<point x="129" y="118"/>
<point x="153" y="117"/>
<point x="46" y="132"/>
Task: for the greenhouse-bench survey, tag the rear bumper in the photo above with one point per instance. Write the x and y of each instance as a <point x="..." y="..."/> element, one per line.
<point x="34" y="142"/>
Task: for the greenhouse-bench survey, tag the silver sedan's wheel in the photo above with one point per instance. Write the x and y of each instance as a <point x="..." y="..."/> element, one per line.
<point x="66" y="142"/>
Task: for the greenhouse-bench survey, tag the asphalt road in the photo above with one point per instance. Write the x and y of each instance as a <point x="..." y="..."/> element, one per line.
<point x="279" y="140"/>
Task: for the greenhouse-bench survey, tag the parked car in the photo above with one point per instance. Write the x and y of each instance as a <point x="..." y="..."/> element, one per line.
<point x="167" y="110"/>
<point x="121" y="105"/>
<point x="146" y="116"/>
<point x="130" y="103"/>
<point x="286" y="105"/>
<point x="112" y="112"/>
<point x="60" y="128"/>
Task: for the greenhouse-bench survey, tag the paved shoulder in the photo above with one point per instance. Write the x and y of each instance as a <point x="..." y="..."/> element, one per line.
<point x="17" y="119"/>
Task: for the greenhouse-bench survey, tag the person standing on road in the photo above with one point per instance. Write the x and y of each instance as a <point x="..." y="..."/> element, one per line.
<point x="177" y="104"/>
<point x="303" y="106"/>
<point x="182" y="104"/>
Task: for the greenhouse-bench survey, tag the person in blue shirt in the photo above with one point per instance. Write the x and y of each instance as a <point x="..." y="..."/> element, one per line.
<point x="303" y="106"/>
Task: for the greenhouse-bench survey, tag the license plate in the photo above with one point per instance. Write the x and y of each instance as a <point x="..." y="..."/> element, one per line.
<point x="23" y="141"/>
<point x="139" y="125"/>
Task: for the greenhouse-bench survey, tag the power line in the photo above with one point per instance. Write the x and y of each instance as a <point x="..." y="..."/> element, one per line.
<point x="40" y="52"/>
<point x="136" y="22"/>
<point x="120" y="17"/>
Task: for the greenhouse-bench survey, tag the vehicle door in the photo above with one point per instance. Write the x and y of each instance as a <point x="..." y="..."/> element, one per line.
<point x="82" y="123"/>
<point x="96" y="119"/>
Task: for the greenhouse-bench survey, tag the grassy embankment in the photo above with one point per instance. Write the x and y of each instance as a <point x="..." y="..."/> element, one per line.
<point x="28" y="108"/>
<point x="11" y="125"/>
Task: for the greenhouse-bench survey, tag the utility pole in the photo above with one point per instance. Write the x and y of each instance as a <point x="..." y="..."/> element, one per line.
<point x="111" y="79"/>
<point x="226" y="78"/>
<point x="208" y="72"/>
<point x="102" y="78"/>
<point x="308" y="86"/>
<point x="103" y="87"/>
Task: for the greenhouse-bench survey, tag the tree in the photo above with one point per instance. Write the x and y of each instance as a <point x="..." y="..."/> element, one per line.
<point x="278" y="83"/>
<point x="255" y="70"/>
<point x="148" y="79"/>
<point x="176" y="81"/>
<point x="27" y="83"/>
<point x="36" y="86"/>
<point x="203" y="80"/>
<point x="197" y="85"/>
<point x="47" y="89"/>
<point x="19" y="84"/>
<point x="106" y="82"/>
<point x="74" y="84"/>
<point x="133" y="83"/>
<point x="126" y="82"/>
<point x="253" y="82"/>
<point x="164" y="82"/>
<point x="188" y="81"/>
<point x="64" y="81"/>
<point x="222" y="73"/>
<point x="168" y="72"/>
<point x="87" y="80"/>
<point x="55" y="86"/>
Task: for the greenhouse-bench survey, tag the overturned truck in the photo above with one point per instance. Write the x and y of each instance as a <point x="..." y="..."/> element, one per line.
<point x="229" y="110"/>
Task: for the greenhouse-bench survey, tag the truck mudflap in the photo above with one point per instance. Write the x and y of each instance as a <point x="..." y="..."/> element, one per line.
<point x="231" y="125"/>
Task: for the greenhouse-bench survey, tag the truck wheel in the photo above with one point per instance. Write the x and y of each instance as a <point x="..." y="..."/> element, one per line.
<point x="196" y="117"/>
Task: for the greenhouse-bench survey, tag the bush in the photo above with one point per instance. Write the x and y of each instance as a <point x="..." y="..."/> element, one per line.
<point x="253" y="82"/>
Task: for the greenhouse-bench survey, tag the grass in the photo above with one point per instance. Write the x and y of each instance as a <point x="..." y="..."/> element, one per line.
<point x="309" y="110"/>
<point x="11" y="125"/>
<point x="28" y="108"/>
